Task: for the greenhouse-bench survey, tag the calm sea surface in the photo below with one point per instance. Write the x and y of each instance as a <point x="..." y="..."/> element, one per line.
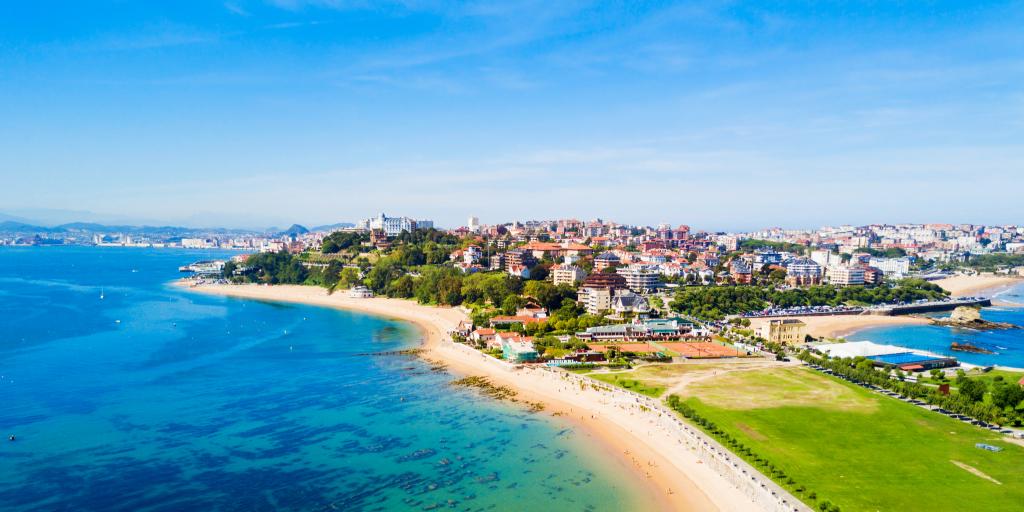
<point x="153" y="398"/>
<point x="1007" y="345"/>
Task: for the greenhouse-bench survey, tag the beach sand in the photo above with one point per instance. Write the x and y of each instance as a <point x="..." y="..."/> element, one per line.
<point x="672" y="475"/>
<point x="838" y="326"/>
<point x="984" y="284"/>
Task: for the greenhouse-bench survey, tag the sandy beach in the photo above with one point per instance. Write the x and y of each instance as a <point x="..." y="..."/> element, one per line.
<point x="838" y="326"/>
<point x="984" y="284"/>
<point x="674" y="476"/>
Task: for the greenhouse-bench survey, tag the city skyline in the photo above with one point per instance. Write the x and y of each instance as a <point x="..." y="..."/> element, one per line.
<point x="727" y="116"/>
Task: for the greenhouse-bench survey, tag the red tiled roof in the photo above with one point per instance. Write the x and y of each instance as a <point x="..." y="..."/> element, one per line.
<point x="626" y="347"/>
<point x="513" y="319"/>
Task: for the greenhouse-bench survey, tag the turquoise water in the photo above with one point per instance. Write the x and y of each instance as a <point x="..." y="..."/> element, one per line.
<point x="192" y="402"/>
<point x="1008" y="345"/>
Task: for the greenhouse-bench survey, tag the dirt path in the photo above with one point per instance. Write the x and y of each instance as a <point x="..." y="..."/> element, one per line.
<point x="689" y="378"/>
<point x="974" y="471"/>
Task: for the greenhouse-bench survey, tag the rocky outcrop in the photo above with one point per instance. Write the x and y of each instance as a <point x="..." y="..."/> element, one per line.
<point x="970" y="317"/>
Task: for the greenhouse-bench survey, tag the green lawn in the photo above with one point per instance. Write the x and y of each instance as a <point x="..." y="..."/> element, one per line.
<point x="627" y="381"/>
<point x="858" y="449"/>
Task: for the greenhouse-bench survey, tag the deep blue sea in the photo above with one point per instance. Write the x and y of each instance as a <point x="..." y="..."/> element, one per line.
<point x="1008" y="345"/>
<point x="153" y="398"/>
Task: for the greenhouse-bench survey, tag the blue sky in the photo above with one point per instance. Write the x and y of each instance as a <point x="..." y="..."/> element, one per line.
<point x="722" y="115"/>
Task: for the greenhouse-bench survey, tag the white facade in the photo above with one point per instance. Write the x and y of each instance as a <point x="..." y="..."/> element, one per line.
<point x="393" y="226"/>
<point x="803" y="268"/>
<point x="846" y="276"/>
<point x="596" y="300"/>
<point x="824" y="258"/>
<point x="891" y="267"/>
<point x="640" y="278"/>
<point x="567" y="274"/>
<point x="360" y="292"/>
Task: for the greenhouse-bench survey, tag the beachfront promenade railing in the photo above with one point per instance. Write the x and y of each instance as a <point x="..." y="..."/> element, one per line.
<point x="762" y="491"/>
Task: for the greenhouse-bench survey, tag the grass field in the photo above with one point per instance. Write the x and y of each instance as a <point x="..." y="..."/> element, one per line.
<point x="858" y="449"/>
<point x="630" y="383"/>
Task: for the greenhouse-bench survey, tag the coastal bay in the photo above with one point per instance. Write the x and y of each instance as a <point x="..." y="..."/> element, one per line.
<point x="670" y="472"/>
<point x="146" y="397"/>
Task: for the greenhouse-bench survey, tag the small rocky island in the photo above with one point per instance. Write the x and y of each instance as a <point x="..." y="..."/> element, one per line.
<point x="967" y="347"/>
<point x="970" y="317"/>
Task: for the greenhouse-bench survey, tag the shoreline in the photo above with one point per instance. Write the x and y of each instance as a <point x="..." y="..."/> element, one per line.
<point x="671" y="476"/>
<point x="841" y="326"/>
<point x="983" y="284"/>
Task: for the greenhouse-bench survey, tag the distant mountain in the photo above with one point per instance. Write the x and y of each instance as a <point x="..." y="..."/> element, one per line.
<point x="294" y="229"/>
<point x="10" y="226"/>
<point x="332" y="227"/>
<point x="14" y="218"/>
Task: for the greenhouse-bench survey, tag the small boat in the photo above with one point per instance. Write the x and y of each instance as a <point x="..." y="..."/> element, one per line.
<point x="101" y="294"/>
<point x="12" y="437"/>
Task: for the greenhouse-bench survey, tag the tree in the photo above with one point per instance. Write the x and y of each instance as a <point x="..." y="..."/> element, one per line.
<point x="275" y="268"/>
<point x="1007" y="395"/>
<point x="402" y="288"/>
<point x="411" y="256"/>
<point x="331" y="274"/>
<point x="511" y="304"/>
<point x="341" y="240"/>
<point x="349" y="277"/>
<point x="382" y="274"/>
<point x="539" y="272"/>
<point x="972" y="389"/>
<point x="449" y="291"/>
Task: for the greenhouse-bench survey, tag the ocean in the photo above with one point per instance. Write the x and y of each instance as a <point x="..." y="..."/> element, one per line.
<point x="1007" y="345"/>
<point x="155" y="399"/>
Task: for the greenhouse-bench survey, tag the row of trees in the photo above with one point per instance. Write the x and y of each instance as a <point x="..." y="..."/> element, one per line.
<point x="747" y="453"/>
<point x="344" y="240"/>
<point x="268" y="267"/>
<point x="995" y="261"/>
<point x="752" y="244"/>
<point x="714" y="303"/>
<point x="1005" y="404"/>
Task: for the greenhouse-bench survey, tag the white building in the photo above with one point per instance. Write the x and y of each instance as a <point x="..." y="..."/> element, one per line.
<point x="567" y="274"/>
<point x="891" y="267"/>
<point x="640" y="278"/>
<point x="825" y="258"/>
<point x="842" y="275"/>
<point x="197" y="243"/>
<point x="628" y="302"/>
<point x="803" y="271"/>
<point x="473" y="223"/>
<point x="393" y="226"/>
<point x="360" y="292"/>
